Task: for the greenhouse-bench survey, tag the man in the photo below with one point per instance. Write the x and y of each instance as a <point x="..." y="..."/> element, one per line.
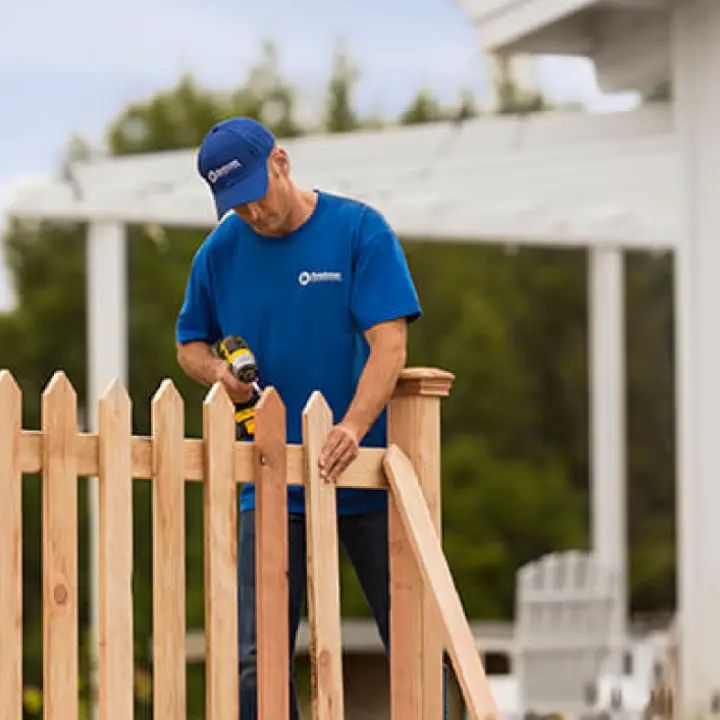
<point x="319" y="288"/>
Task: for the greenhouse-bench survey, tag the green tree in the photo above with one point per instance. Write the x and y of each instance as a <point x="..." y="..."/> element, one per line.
<point x="340" y="116"/>
<point x="467" y="107"/>
<point x="424" y="108"/>
<point x="181" y="116"/>
<point x="501" y="513"/>
<point x="512" y="99"/>
<point x="651" y="429"/>
<point x="268" y="97"/>
<point x="176" y="118"/>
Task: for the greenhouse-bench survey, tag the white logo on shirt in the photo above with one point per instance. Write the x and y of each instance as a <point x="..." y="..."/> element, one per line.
<point x="306" y="277"/>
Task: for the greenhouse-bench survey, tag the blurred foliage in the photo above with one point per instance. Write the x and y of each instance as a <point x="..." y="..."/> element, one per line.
<point x="511" y="324"/>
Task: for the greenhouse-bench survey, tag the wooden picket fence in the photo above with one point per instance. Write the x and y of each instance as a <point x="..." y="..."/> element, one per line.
<point x="426" y="615"/>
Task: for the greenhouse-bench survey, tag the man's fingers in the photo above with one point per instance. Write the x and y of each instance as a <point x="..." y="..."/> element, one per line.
<point x="341" y="464"/>
<point x="330" y="452"/>
<point x="338" y="452"/>
<point x="341" y="453"/>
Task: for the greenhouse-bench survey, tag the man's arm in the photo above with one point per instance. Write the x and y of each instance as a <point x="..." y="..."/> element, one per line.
<point x="388" y="350"/>
<point x="199" y="362"/>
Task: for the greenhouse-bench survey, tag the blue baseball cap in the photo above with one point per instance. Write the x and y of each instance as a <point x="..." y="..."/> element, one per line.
<point x="233" y="162"/>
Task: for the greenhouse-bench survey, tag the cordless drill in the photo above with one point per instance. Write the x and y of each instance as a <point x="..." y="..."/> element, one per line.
<point x="235" y="351"/>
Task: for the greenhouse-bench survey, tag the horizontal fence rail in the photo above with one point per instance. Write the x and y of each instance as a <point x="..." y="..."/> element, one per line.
<point x="426" y="611"/>
<point x="366" y="471"/>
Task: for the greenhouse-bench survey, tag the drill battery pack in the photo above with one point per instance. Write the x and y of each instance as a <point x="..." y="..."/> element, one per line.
<point x="245" y="419"/>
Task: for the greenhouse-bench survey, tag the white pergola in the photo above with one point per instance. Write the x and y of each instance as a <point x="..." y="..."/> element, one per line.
<point x="637" y="45"/>
<point x="642" y="180"/>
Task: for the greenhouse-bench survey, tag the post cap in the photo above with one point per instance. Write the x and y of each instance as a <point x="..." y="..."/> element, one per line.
<point x="424" y="381"/>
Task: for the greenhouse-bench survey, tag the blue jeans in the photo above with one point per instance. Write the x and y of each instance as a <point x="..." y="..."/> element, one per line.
<point x="364" y="538"/>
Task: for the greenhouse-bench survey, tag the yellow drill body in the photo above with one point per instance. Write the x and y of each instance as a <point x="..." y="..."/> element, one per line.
<point x="235" y="351"/>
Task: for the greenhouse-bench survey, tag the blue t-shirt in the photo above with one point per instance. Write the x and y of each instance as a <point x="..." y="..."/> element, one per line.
<point x="302" y="302"/>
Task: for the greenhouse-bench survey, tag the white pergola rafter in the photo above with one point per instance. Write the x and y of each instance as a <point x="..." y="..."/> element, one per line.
<point x="557" y="179"/>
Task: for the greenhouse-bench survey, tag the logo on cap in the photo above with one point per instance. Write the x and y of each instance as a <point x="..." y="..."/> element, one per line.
<point x="214" y="175"/>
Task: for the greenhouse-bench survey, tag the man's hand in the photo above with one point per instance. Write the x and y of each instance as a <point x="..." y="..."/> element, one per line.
<point x="201" y="364"/>
<point x="340" y="449"/>
<point x="239" y="392"/>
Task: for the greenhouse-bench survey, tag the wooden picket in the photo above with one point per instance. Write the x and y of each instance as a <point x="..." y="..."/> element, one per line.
<point x="271" y="558"/>
<point x="425" y="611"/>
<point x="10" y="547"/>
<point x="322" y="570"/>
<point x="59" y="546"/>
<point x="116" y="554"/>
<point x="220" y="513"/>
<point x="168" y="531"/>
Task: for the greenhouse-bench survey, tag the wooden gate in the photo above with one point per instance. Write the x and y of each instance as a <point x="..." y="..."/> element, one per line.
<point x="426" y="614"/>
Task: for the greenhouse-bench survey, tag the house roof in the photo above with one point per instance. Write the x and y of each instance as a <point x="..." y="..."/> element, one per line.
<point x="560" y="178"/>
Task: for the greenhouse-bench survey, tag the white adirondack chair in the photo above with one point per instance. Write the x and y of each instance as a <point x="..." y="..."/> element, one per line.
<point x="565" y="606"/>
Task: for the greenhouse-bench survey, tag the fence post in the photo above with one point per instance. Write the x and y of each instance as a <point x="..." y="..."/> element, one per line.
<point x="416" y="635"/>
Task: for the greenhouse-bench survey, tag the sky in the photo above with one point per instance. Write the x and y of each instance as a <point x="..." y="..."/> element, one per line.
<point x="69" y="67"/>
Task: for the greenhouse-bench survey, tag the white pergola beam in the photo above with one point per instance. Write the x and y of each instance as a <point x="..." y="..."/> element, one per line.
<point x="528" y="225"/>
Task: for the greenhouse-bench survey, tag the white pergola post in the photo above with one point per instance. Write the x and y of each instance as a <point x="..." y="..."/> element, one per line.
<point x="106" y="274"/>
<point x="608" y="514"/>
<point x="696" y="89"/>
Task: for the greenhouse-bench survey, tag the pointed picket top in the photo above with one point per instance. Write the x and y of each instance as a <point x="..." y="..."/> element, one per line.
<point x="114" y="418"/>
<point x="317" y="421"/>
<point x="270" y="430"/>
<point x="270" y="403"/>
<point x="217" y="399"/>
<point x="60" y="387"/>
<point x="116" y="399"/>
<point x="218" y="415"/>
<point x="10" y="393"/>
<point x="59" y="412"/>
<point x="317" y="407"/>
<point x="167" y="396"/>
<point x="10" y="428"/>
